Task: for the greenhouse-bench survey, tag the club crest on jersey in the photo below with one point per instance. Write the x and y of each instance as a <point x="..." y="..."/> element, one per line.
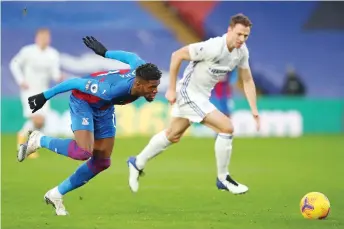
<point x="85" y="121"/>
<point x="94" y="88"/>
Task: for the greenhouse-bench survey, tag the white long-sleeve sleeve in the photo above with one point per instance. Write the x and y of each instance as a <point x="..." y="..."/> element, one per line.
<point x="16" y="65"/>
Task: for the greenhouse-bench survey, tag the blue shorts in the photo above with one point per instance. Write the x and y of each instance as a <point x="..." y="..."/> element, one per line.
<point x="102" y="123"/>
<point x="221" y="104"/>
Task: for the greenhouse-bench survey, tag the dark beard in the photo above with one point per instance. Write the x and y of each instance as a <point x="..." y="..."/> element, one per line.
<point x="149" y="99"/>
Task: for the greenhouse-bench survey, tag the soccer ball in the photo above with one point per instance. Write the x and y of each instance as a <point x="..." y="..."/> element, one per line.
<point x="315" y="205"/>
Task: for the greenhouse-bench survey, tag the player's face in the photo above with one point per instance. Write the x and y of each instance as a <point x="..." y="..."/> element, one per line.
<point x="43" y="39"/>
<point x="238" y="34"/>
<point x="150" y="89"/>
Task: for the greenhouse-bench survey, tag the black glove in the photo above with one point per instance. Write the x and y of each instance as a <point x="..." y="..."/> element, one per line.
<point x="95" y="45"/>
<point x="36" y="102"/>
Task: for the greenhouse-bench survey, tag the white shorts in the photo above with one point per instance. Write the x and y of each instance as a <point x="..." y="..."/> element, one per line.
<point x="27" y="113"/>
<point x="192" y="106"/>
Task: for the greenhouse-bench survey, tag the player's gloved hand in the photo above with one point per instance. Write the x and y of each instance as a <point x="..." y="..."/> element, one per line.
<point x="95" y="45"/>
<point x="36" y="102"/>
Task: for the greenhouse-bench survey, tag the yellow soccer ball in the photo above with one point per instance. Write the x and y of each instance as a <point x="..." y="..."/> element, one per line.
<point x="315" y="205"/>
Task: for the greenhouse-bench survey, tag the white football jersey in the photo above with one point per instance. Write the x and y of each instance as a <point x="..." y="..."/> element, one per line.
<point x="211" y="61"/>
<point x="36" y="67"/>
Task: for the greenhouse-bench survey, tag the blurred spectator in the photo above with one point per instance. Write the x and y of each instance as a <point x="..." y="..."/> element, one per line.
<point x="293" y="84"/>
<point x="33" y="67"/>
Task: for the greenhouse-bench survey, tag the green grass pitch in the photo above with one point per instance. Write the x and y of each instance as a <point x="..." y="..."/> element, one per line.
<point x="179" y="189"/>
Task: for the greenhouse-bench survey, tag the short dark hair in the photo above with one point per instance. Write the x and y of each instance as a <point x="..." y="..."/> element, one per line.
<point x="240" y="19"/>
<point x="148" y="72"/>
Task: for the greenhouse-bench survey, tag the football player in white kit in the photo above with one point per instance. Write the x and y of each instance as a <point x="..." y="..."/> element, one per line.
<point x="209" y="60"/>
<point x="33" y="67"/>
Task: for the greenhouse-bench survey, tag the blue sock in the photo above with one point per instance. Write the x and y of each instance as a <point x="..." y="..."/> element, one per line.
<point x="66" y="147"/>
<point x="57" y="145"/>
<point x="83" y="174"/>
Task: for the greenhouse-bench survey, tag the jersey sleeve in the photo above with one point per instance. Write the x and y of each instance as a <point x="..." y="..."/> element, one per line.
<point x="88" y="86"/>
<point x="204" y="50"/>
<point x="17" y="63"/>
<point x="244" y="63"/>
<point x="126" y="57"/>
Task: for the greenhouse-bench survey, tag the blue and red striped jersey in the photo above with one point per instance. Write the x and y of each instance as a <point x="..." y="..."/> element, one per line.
<point x="106" y="88"/>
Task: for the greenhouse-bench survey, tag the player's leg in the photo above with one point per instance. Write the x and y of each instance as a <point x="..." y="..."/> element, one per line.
<point x="220" y="123"/>
<point x="218" y="103"/>
<point x="104" y="132"/>
<point x="85" y="172"/>
<point x="156" y="145"/>
<point x="79" y="149"/>
<point x="162" y="140"/>
<point x="100" y="161"/>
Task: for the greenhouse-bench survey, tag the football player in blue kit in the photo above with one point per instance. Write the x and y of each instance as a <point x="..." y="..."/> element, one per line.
<point x="93" y="116"/>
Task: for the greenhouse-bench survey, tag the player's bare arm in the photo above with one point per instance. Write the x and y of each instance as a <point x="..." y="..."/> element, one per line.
<point x="176" y="60"/>
<point x="250" y="91"/>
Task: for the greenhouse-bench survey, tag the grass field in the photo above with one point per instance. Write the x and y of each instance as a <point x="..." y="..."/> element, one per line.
<point x="179" y="189"/>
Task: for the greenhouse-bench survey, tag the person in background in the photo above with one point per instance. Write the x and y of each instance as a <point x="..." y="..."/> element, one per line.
<point x="293" y="85"/>
<point x="33" y="68"/>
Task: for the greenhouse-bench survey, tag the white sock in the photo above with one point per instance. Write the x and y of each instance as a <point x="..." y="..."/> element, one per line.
<point x="223" y="152"/>
<point x="55" y="193"/>
<point x="156" y="145"/>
